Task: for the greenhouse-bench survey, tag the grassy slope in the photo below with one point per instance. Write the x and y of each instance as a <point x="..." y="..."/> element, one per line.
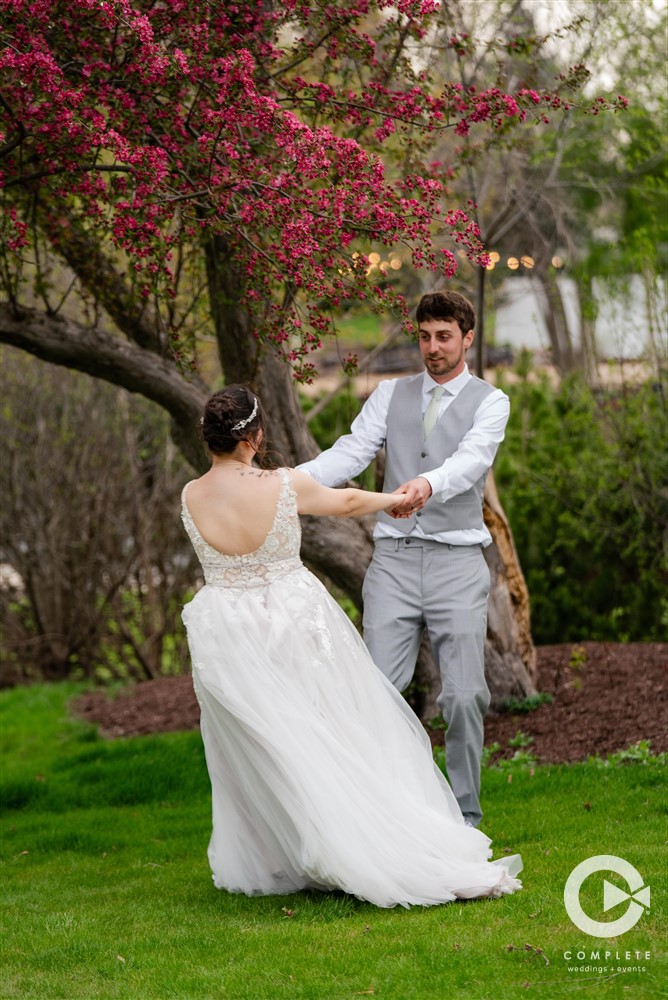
<point x="108" y="895"/>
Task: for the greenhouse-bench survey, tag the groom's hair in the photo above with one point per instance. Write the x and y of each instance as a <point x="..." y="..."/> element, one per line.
<point x="447" y="305"/>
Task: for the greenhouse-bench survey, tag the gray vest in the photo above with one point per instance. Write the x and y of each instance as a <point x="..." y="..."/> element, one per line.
<point x="408" y="454"/>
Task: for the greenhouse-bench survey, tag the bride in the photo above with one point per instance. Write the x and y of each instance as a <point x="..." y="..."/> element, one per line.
<point x="321" y="775"/>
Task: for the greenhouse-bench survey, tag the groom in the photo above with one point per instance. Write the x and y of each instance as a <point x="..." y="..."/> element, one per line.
<point x="441" y="430"/>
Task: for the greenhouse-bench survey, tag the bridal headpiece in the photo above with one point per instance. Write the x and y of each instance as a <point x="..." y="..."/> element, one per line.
<point x="242" y="423"/>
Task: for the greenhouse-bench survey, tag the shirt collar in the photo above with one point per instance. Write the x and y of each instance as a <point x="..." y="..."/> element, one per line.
<point x="453" y="387"/>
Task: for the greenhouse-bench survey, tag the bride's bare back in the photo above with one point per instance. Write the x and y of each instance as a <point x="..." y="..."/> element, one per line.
<point x="234" y="509"/>
<point x="233" y="505"/>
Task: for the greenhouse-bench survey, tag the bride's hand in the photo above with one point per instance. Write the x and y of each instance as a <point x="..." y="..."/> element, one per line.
<point x="401" y="508"/>
<point x="415" y="492"/>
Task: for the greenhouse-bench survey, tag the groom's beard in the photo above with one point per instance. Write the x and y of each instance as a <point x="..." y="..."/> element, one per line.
<point x="443" y="365"/>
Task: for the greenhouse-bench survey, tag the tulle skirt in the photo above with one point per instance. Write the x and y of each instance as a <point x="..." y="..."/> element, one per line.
<point x="321" y="775"/>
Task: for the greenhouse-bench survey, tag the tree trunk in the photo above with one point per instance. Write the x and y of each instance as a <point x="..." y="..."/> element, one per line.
<point x="510" y="656"/>
<point x="480" y="331"/>
<point x="554" y="316"/>
<point x="653" y="314"/>
<point x="341" y="551"/>
<point x="588" y="311"/>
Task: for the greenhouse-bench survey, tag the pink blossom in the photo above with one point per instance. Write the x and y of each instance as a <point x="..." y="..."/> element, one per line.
<point x="167" y="123"/>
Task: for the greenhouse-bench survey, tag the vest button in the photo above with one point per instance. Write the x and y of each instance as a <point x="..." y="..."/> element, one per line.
<point x="423" y="454"/>
<point x="419" y="514"/>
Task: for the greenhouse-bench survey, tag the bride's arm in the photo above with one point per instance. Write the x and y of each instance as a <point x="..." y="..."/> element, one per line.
<point x="312" y="498"/>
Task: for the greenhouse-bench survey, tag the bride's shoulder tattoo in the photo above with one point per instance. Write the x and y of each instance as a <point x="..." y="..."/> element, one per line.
<point x="258" y="472"/>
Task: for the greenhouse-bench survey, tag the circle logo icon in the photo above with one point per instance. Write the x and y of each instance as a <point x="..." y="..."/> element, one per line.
<point x="638" y="897"/>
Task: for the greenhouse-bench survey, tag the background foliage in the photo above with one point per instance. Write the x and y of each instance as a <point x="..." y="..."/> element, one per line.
<point x="584" y="481"/>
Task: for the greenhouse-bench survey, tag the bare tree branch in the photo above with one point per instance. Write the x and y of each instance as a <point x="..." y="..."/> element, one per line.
<point x="83" y="253"/>
<point x="62" y="341"/>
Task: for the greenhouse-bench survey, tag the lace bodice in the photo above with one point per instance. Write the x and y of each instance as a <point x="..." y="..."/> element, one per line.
<point x="277" y="556"/>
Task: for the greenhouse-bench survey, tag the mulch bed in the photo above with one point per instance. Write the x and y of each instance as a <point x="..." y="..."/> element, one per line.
<point x="164" y="705"/>
<point x="606" y="696"/>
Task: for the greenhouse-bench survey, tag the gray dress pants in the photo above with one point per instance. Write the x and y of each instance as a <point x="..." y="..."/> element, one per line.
<point x="412" y="584"/>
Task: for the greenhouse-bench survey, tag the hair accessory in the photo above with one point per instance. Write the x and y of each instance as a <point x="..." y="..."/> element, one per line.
<point x="242" y="423"/>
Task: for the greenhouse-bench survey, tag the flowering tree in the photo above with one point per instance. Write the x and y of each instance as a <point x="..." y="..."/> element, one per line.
<point x="168" y="166"/>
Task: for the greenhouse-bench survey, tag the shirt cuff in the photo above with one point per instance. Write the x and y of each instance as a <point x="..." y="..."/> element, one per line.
<point x="433" y="479"/>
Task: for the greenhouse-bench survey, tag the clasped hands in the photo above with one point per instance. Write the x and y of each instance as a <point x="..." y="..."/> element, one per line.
<point x="417" y="493"/>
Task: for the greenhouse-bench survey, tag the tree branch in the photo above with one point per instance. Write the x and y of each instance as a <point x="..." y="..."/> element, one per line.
<point x="62" y="341"/>
<point x="27" y="178"/>
<point x="84" y="255"/>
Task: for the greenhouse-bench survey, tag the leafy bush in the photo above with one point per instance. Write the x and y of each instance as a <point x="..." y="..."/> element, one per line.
<point x="583" y="477"/>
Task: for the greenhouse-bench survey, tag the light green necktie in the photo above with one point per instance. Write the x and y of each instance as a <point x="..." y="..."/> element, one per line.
<point x="431" y="413"/>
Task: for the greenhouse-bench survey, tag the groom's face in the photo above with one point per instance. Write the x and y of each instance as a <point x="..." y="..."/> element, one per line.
<point x="443" y="347"/>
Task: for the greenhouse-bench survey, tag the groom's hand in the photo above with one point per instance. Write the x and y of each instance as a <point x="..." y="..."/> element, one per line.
<point x="417" y="493"/>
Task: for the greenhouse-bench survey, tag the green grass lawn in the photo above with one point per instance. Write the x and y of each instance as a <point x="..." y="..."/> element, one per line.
<point x="107" y="892"/>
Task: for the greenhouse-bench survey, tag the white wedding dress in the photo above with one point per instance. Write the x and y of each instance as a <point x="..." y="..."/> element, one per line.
<point x="321" y="775"/>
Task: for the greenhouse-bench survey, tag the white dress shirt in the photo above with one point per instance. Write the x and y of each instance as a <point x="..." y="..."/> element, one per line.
<point x="475" y="454"/>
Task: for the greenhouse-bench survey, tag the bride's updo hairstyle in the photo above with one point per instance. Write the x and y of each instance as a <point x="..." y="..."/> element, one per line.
<point x="232" y="415"/>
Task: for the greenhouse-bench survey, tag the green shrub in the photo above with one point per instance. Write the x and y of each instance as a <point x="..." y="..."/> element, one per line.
<point x="334" y="421"/>
<point x="583" y="477"/>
